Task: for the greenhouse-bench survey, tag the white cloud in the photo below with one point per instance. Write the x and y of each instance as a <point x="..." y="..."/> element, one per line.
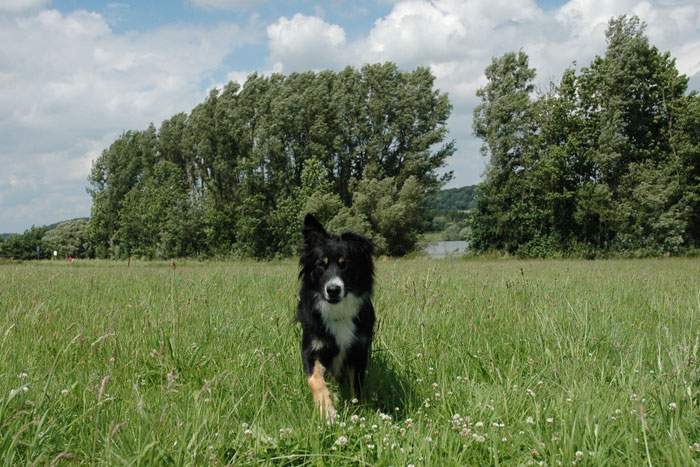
<point x="457" y="39"/>
<point x="305" y="42"/>
<point x="416" y="32"/>
<point x="72" y="85"/>
<point x="226" y="4"/>
<point x="15" y="6"/>
<point x="69" y="84"/>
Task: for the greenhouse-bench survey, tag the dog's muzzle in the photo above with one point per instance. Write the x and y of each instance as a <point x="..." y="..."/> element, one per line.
<point x="334" y="290"/>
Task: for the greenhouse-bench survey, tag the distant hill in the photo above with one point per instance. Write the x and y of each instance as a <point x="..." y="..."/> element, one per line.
<point x="56" y="224"/>
<point x="48" y="227"/>
<point x="452" y="199"/>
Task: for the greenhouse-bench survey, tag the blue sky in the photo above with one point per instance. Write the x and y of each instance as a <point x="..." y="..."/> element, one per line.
<point x="75" y="74"/>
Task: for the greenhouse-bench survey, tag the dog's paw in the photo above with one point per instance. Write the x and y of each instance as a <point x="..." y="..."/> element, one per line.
<point x="331" y="415"/>
<point x="327" y="410"/>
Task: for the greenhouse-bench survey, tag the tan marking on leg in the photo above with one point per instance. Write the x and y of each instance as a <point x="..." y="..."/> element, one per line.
<point x="322" y="396"/>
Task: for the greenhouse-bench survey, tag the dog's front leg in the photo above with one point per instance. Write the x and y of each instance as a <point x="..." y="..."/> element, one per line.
<point x="350" y="378"/>
<point x="322" y="396"/>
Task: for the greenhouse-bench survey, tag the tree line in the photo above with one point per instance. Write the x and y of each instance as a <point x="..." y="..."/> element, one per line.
<point x="66" y="238"/>
<point x="360" y="148"/>
<point x="605" y="161"/>
<point x="608" y="160"/>
<point x="448" y="213"/>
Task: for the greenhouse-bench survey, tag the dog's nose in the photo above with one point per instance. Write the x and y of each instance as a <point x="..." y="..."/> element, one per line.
<point x="333" y="291"/>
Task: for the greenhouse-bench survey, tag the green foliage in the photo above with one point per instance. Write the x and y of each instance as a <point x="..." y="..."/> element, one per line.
<point x="157" y="219"/>
<point x="114" y="174"/>
<point x="67" y="238"/>
<point x="451" y="199"/>
<point x="389" y="214"/>
<point x="247" y="163"/>
<point x="606" y="160"/>
<point x="447" y="211"/>
<point x="27" y="245"/>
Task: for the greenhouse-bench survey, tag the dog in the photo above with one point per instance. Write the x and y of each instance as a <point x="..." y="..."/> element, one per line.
<point x="335" y="310"/>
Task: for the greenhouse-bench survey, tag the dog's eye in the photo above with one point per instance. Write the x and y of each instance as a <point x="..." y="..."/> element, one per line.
<point x="342" y="262"/>
<point x="324" y="261"/>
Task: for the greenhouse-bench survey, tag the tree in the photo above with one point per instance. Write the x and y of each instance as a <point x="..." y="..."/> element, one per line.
<point x="26" y="245"/>
<point x="386" y="212"/>
<point x="67" y="238"/>
<point x="685" y="144"/>
<point x="627" y="97"/>
<point x="606" y="160"/>
<point x="504" y="120"/>
<point x="252" y="159"/>
<point x="157" y="219"/>
<point x="119" y="168"/>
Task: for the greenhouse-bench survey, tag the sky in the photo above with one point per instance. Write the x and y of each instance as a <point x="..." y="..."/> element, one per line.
<point x="76" y="74"/>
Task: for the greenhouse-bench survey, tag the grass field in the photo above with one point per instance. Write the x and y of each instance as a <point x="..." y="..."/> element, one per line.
<point x="475" y="363"/>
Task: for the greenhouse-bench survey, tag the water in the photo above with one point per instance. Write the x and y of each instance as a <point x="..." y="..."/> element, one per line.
<point x="443" y="249"/>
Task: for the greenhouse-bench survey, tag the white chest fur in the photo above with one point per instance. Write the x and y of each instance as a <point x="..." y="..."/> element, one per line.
<point x="338" y="319"/>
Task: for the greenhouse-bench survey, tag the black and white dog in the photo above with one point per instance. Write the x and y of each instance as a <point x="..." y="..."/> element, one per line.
<point x="335" y="311"/>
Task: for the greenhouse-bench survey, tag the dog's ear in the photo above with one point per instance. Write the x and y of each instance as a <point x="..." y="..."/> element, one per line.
<point x="313" y="231"/>
<point x="363" y="245"/>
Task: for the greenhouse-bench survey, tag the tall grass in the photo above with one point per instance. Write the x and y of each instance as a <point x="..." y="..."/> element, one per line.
<point x="475" y="362"/>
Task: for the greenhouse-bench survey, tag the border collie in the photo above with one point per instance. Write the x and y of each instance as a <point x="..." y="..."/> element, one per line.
<point x="335" y="311"/>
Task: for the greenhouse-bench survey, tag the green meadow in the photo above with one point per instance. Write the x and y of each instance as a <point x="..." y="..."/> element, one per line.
<point x="475" y="362"/>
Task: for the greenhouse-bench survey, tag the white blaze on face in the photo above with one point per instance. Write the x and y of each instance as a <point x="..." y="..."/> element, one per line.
<point x="337" y="281"/>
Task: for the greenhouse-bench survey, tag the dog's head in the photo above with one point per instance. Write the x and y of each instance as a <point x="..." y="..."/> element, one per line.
<point x="334" y="266"/>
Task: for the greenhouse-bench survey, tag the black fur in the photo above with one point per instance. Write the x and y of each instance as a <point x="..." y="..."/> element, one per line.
<point x="347" y="257"/>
